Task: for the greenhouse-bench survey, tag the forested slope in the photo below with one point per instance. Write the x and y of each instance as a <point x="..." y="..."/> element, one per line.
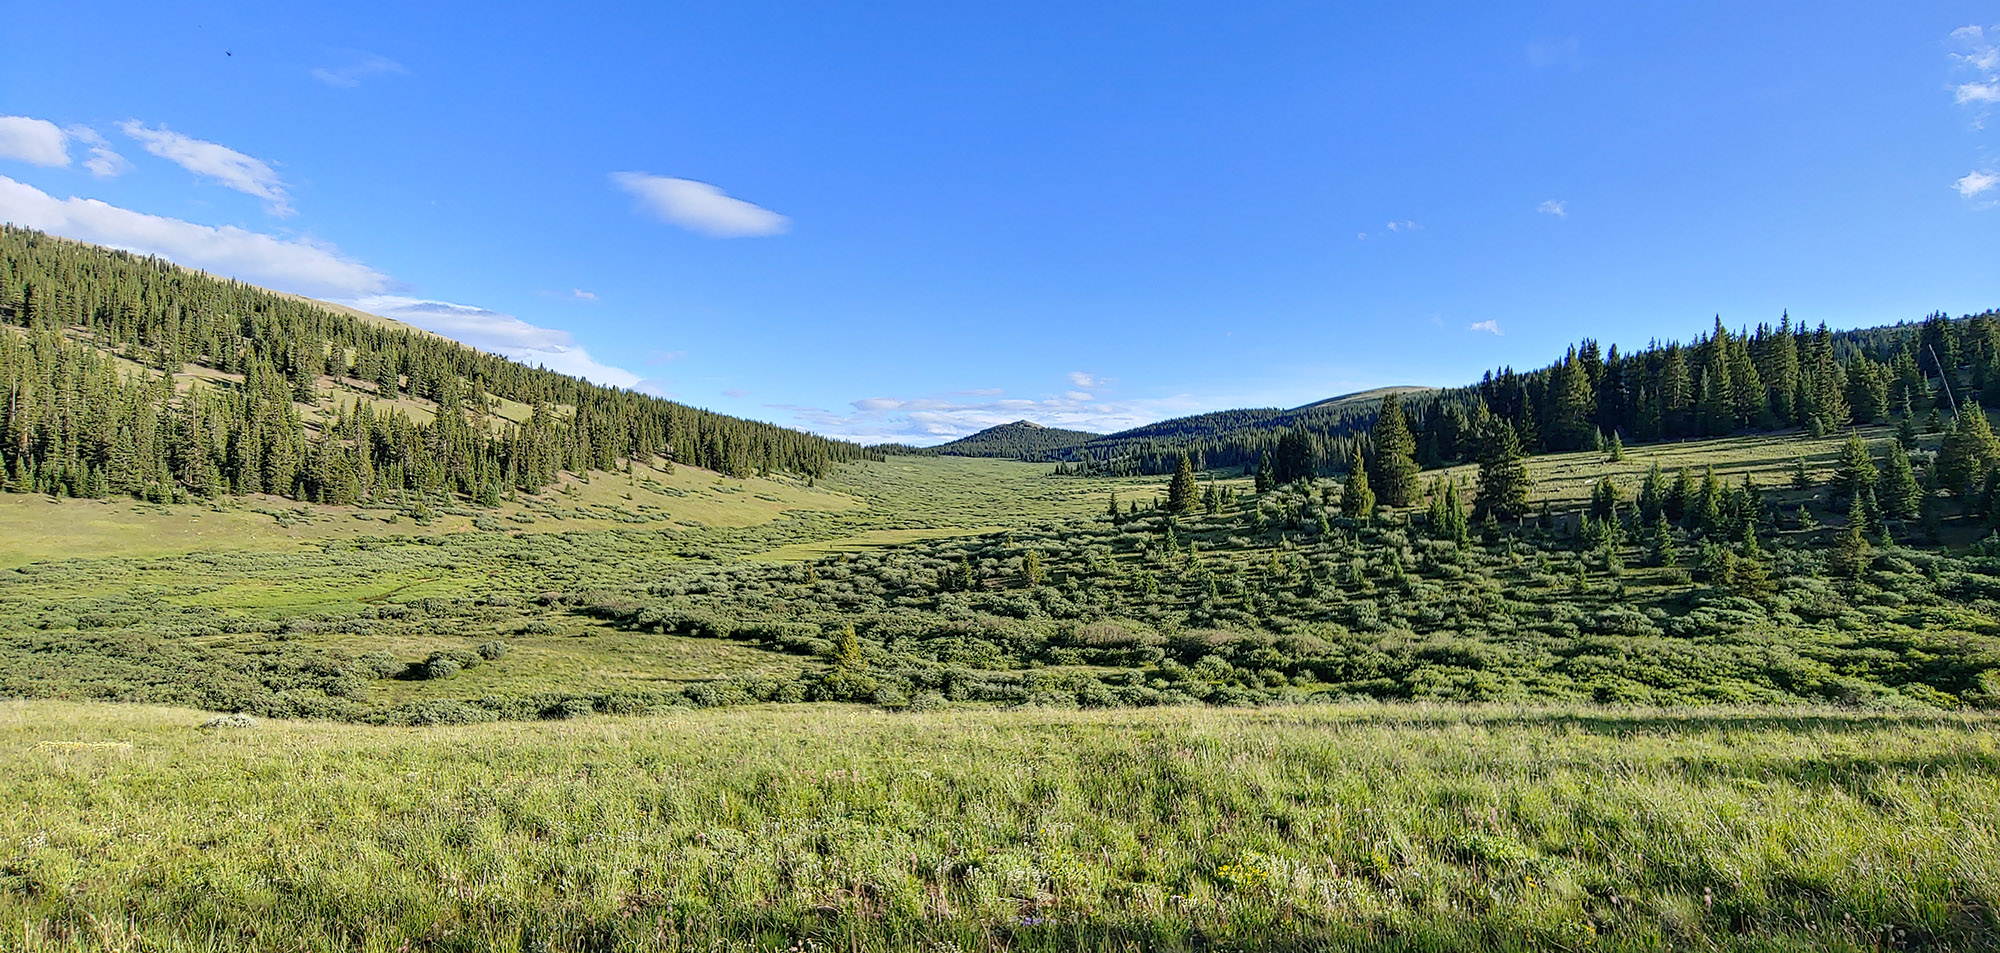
<point x="122" y="374"/>
<point x="1760" y="379"/>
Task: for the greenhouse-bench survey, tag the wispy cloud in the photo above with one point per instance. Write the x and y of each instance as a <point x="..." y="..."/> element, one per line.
<point x="498" y="333"/>
<point x="361" y="66"/>
<point x="298" y="265"/>
<point x="103" y="162"/>
<point x="1403" y="226"/>
<point x="663" y="357"/>
<point x="1556" y="207"/>
<point x="1976" y="56"/>
<point x="34" y="141"/>
<point x="940" y="418"/>
<point x="226" y="166"/>
<point x="1489" y="325"/>
<point x="582" y="295"/>
<point x="699" y="207"/>
<point x="1976" y="183"/>
<point x="1084" y="379"/>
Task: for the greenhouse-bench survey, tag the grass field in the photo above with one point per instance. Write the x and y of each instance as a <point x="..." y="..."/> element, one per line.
<point x="833" y="828"/>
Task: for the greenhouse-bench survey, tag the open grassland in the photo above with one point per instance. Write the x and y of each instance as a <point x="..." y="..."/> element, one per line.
<point x="36" y="528"/>
<point x="776" y="828"/>
<point x="864" y="505"/>
<point x="1768" y="460"/>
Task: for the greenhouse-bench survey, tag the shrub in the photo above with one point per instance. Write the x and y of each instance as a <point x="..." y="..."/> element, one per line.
<point x="440" y="666"/>
<point x="492" y="651"/>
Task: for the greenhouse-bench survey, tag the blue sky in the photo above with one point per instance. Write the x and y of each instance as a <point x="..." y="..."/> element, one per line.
<point x="911" y="221"/>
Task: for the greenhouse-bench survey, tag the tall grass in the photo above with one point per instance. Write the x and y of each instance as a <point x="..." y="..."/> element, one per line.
<point x="830" y="827"/>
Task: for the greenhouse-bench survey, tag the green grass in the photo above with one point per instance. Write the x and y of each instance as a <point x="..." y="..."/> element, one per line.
<point x="781" y="828"/>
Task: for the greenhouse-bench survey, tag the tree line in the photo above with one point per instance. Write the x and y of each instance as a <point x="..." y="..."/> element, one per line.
<point x="1772" y="377"/>
<point x="124" y="374"/>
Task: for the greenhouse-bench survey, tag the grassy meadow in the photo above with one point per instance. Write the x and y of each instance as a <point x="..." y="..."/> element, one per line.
<point x="944" y="703"/>
<point x="845" y="828"/>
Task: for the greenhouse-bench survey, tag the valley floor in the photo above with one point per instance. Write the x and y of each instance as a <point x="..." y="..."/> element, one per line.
<point x="842" y="827"/>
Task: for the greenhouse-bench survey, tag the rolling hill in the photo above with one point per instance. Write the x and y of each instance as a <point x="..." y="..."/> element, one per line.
<point x="1020" y="440"/>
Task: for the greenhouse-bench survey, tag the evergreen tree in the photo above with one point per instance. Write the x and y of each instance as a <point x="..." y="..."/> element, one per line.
<point x="1969" y="450"/>
<point x="1357" y="500"/>
<point x="1854" y="470"/>
<point x="1181" y="492"/>
<point x="1899" y="492"/>
<point x="1395" y="477"/>
<point x="1850" y="553"/>
<point x="1503" y="474"/>
<point x="1604" y="499"/>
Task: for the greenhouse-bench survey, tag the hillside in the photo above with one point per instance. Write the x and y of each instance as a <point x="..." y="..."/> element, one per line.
<point x="1020" y="440"/>
<point x="130" y="376"/>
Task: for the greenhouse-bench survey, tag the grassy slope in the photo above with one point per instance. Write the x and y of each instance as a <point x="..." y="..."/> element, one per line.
<point x="781" y="828"/>
<point x="36" y="528"/>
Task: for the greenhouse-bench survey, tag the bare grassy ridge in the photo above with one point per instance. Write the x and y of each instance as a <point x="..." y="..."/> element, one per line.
<point x="781" y="828"/>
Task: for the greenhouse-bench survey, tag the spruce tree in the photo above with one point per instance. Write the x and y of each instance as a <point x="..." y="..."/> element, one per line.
<point x="1854" y="471"/>
<point x="1503" y="474"/>
<point x="1181" y="492"/>
<point x="1357" y="499"/>
<point x="1969" y="450"/>
<point x="1899" y="492"/>
<point x="1395" y="477"/>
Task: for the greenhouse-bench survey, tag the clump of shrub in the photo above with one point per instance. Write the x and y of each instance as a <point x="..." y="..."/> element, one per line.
<point x="492" y="651"/>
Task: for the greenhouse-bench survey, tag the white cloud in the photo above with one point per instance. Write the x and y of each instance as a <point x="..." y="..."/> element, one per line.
<point x="939" y="418"/>
<point x="502" y="334"/>
<point x="1981" y="54"/>
<point x="1556" y="207"/>
<point x="1403" y="226"/>
<point x="229" y="168"/>
<point x="663" y="357"/>
<point x="364" y="66"/>
<point x="103" y="162"/>
<point x="582" y="295"/>
<point x="699" y="206"/>
<point x="1489" y="325"/>
<point x="1083" y="379"/>
<point x="302" y="266"/>
<point x="1977" y="93"/>
<point x="1976" y="183"/>
<point x="34" y="141"/>
<point x="1978" y="53"/>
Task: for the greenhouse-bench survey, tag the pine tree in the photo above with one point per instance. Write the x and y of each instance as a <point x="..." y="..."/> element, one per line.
<point x="1665" y="553"/>
<point x="1395" y="477"/>
<point x="1357" y="500"/>
<point x="1181" y="492"/>
<point x="1849" y="555"/>
<point x="1969" y="450"/>
<point x="1503" y="474"/>
<point x="1854" y="471"/>
<point x="1604" y="499"/>
<point x="1901" y="495"/>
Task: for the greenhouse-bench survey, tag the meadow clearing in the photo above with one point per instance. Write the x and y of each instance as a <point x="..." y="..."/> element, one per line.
<point x="849" y="828"/>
